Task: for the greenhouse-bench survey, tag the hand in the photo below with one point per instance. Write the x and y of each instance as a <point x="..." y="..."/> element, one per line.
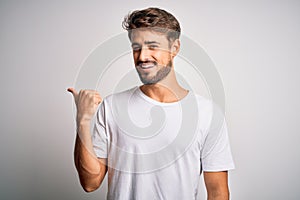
<point x="86" y="102"/>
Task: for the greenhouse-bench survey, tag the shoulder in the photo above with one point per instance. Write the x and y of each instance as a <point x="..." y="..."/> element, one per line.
<point x="202" y="101"/>
<point x="208" y="106"/>
<point x="115" y="101"/>
<point x="120" y="95"/>
<point x="119" y="99"/>
<point x="210" y="114"/>
<point x="204" y="105"/>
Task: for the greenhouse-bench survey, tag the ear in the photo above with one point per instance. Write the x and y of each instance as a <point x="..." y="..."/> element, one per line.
<point x="175" y="48"/>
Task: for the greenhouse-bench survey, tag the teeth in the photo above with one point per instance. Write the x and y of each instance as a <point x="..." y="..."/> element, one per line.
<point x="146" y="66"/>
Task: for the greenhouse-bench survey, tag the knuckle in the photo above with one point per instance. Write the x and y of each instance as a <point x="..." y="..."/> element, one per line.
<point x="82" y="92"/>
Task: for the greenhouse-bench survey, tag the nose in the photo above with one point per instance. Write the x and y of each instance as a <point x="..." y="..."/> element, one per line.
<point x="144" y="54"/>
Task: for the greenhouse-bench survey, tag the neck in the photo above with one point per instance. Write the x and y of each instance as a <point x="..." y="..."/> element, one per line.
<point x="167" y="90"/>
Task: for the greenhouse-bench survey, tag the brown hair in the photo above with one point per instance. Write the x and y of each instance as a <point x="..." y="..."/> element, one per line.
<point x="155" y="18"/>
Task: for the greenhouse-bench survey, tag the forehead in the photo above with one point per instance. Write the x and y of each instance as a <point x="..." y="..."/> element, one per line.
<point x="140" y="36"/>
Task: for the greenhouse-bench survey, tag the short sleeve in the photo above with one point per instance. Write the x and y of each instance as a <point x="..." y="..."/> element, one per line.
<point x="216" y="153"/>
<point x="99" y="133"/>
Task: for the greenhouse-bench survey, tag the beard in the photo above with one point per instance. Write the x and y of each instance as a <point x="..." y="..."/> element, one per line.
<point x="160" y="75"/>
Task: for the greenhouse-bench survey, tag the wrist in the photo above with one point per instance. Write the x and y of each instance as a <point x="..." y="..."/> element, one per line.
<point x="83" y="127"/>
<point x="83" y="119"/>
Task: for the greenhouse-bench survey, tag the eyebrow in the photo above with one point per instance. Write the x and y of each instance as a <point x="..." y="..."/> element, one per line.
<point x="151" y="42"/>
<point x="146" y="42"/>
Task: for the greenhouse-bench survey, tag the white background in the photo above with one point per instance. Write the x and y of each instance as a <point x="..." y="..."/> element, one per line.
<point x="255" y="46"/>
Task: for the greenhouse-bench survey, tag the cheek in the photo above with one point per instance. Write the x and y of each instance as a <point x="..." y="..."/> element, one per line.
<point x="165" y="58"/>
<point x="135" y="57"/>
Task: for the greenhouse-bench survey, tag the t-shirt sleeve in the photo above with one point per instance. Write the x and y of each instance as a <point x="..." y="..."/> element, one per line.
<point x="216" y="153"/>
<point x="99" y="133"/>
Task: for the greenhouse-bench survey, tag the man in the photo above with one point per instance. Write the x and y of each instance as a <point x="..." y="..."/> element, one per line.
<point x="154" y="140"/>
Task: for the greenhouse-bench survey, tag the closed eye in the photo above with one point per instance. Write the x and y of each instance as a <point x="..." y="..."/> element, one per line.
<point x="136" y="48"/>
<point x="153" y="47"/>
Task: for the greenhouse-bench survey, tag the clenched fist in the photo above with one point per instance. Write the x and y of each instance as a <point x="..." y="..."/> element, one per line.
<point x="86" y="102"/>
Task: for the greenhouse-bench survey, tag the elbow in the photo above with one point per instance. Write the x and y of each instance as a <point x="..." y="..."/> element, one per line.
<point x="89" y="189"/>
<point x="91" y="185"/>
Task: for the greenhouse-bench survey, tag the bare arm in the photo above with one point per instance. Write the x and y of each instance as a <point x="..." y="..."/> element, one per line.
<point x="216" y="185"/>
<point x="91" y="170"/>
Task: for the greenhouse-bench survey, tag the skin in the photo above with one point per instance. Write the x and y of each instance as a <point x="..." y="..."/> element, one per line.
<point x="149" y="49"/>
<point x="216" y="184"/>
<point x="91" y="170"/>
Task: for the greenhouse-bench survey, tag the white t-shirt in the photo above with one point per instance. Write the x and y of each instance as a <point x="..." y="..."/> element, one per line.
<point x="158" y="150"/>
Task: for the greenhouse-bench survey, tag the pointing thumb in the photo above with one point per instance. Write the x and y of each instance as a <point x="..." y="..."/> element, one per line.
<point x="73" y="91"/>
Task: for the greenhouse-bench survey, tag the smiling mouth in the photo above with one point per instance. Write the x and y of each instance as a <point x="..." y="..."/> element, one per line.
<point x="147" y="65"/>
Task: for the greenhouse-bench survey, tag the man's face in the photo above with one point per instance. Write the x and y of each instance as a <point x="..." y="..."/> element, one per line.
<point x="152" y="57"/>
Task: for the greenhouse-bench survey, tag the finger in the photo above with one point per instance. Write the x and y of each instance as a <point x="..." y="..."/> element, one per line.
<point x="73" y="91"/>
<point x="94" y="92"/>
<point x="97" y="100"/>
<point x="97" y="95"/>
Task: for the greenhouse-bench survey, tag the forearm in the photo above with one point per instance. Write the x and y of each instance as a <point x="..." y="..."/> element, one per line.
<point x="91" y="171"/>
